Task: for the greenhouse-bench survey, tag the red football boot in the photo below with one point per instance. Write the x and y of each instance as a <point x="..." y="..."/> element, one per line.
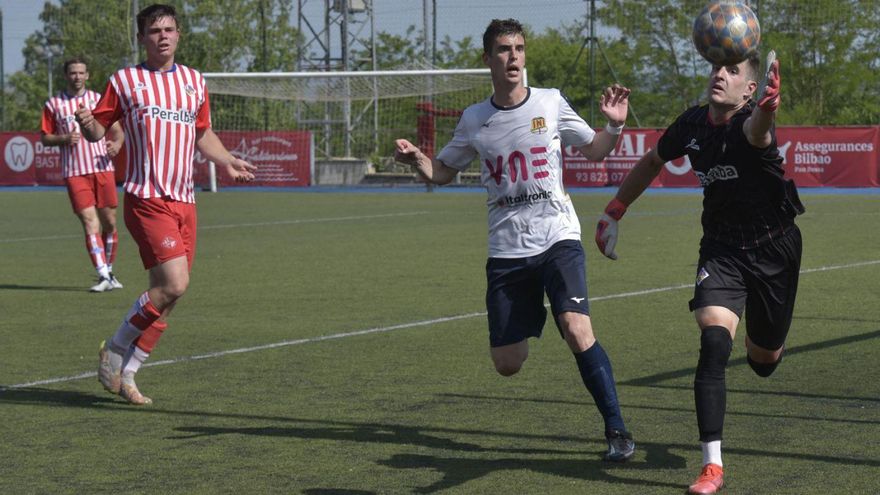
<point x="711" y="480"/>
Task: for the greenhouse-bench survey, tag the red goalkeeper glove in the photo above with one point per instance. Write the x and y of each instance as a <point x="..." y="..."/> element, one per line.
<point x="606" y="230"/>
<point x="768" y="100"/>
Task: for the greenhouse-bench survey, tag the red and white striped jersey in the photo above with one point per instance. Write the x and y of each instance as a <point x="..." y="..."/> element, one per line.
<point x="83" y="157"/>
<point x="160" y="114"/>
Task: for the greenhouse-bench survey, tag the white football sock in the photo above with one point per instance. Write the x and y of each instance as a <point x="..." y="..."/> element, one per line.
<point x="711" y="452"/>
<point x="135" y="358"/>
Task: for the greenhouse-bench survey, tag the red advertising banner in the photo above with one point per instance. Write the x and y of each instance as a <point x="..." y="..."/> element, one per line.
<point x="831" y="156"/>
<point x="26" y="162"/>
<point x="283" y="159"/>
<point x="813" y="156"/>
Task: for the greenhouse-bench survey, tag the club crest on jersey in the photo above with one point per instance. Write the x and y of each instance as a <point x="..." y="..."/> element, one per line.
<point x="139" y="87"/>
<point x="702" y="275"/>
<point x="539" y="126"/>
<point x="190" y="90"/>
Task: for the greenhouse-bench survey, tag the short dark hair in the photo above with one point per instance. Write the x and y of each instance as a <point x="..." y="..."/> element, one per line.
<point x="149" y="15"/>
<point x="74" y="60"/>
<point x="754" y="65"/>
<point x="500" y="27"/>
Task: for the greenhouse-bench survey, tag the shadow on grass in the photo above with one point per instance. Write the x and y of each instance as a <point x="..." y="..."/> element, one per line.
<point x="626" y="406"/>
<point x="657" y="378"/>
<point x="51" y="397"/>
<point x="57" y="288"/>
<point x="458" y="470"/>
<point x="475" y="461"/>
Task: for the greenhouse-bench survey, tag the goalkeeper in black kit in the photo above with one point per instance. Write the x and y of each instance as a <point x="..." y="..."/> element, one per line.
<point x="750" y="252"/>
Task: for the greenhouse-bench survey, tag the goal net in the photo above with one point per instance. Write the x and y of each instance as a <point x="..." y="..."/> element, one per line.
<point x="350" y="114"/>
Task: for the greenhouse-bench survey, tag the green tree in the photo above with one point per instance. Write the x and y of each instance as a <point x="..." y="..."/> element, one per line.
<point x="216" y="35"/>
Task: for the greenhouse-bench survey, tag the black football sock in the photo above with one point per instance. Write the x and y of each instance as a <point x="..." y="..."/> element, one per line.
<point x="710" y="393"/>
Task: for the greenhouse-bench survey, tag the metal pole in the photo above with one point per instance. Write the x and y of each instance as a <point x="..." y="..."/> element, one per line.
<point x="49" y="69"/>
<point x="135" y="8"/>
<point x="346" y="66"/>
<point x="2" y="79"/>
<point x="592" y="60"/>
<point x="265" y="63"/>
<point x="433" y="33"/>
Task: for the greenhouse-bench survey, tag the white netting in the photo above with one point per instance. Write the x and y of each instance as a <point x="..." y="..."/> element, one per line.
<point x="354" y="114"/>
<point x="343" y="86"/>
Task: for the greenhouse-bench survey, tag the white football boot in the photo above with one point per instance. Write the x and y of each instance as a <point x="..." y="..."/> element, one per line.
<point x="109" y="368"/>
<point x="129" y="391"/>
<point x="103" y="285"/>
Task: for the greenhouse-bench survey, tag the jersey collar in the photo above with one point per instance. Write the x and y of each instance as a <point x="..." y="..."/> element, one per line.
<point x="514" y="107"/>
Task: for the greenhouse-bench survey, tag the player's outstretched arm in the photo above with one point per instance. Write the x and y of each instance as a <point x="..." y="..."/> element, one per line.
<point x="635" y="183"/>
<point x="431" y="170"/>
<point x="757" y="126"/>
<point x="210" y="145"/>
<point x="614" y="105"/>
<point x="91" y="128"/>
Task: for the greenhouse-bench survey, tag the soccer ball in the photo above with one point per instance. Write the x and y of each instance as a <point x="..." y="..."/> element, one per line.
<point x="726" y="32"/>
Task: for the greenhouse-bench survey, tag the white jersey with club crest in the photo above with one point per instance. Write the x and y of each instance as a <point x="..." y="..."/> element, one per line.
<point x="520" y="152"/>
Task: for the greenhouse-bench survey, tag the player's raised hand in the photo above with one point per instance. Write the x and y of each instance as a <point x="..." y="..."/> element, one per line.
<point x="768" y="99"/>
<point x="83" y="116"/>
<point x="240" y="170"/>
<point x="614" y="104"/>
<point x="406" y="152"/>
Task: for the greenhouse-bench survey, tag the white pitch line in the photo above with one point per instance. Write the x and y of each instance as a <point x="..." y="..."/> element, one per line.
<point x="236" y="225"/>
<point x="402" y="326"/>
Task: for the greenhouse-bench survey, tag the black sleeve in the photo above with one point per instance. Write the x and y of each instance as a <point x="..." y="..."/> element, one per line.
<point x="670" y="146"/>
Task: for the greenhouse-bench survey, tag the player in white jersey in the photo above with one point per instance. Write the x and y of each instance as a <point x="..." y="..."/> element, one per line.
<point x="164" y="111"/>
<point x="534" y="233"/>
<point x="87" y="170"/>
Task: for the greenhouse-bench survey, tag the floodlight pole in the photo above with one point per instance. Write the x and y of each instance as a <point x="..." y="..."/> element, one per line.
<point x="592" y="59"/>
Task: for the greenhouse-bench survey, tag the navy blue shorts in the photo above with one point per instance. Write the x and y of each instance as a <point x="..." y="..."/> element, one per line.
<point x="516" y="286"/>
<point x="762" y="281"/>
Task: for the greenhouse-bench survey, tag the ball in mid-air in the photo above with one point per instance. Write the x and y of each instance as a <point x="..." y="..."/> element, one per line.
<point x="726" y="32"/>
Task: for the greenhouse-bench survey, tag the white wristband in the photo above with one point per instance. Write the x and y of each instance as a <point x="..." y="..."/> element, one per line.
<point x="615" y="131"/>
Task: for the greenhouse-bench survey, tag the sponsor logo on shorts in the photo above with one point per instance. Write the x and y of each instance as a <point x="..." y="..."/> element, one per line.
<point x="702" y="275"/>
<point x="169" y="242"/>
<point x="693" y="145"/>
<point x="577" y="299"/>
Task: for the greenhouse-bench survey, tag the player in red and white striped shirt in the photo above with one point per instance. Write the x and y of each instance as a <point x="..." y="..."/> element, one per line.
<point x="164" y="111"/>
<point x="87" y="169"/>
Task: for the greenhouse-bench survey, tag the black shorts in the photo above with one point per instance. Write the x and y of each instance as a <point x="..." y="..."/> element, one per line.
<point x="515" y="291"/>
<point x="761" y="281"/>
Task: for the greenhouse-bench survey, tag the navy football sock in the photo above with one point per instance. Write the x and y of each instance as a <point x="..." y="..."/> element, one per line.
<point x="710" y="390"/>
<point x="596" y="373"/>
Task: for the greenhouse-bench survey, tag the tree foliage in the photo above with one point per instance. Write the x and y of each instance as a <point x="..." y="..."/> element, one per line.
<point x="216" y="35"/>
<point x="829" y="51"/>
